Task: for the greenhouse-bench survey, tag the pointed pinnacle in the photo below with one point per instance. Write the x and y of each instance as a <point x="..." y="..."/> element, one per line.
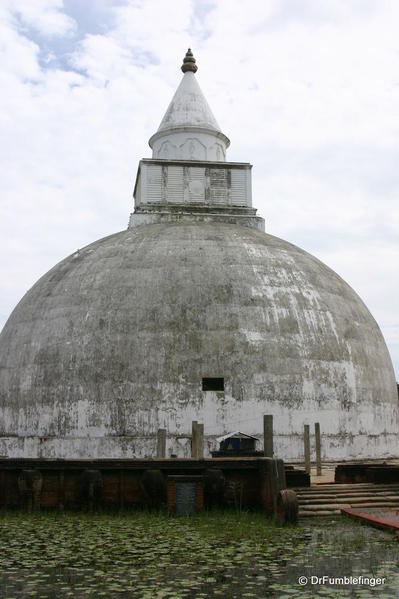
<point x="189" y="62"/>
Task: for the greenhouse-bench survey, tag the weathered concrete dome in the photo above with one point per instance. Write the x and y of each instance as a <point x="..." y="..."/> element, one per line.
<point x="193" y="313"/>
<point x="114" y="341"/>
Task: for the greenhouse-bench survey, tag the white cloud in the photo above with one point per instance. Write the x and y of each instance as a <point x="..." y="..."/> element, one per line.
<point x="308" y="91"/>
<point x="44" y="16"/>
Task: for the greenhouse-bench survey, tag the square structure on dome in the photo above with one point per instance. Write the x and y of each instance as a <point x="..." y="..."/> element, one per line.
<point x="193" y="182"/>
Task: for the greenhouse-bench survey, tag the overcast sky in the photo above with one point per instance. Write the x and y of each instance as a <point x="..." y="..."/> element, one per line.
<point x="307" y="91"/>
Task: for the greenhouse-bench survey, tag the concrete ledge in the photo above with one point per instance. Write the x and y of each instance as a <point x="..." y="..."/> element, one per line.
<point x="163" y="216"/>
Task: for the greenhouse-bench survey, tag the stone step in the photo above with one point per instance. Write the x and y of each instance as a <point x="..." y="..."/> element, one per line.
<point x="328" y="499"/>
<point x="302" y="514"/>
<point x="350" y="499"/>
<point x="374" y="503"/>
<point x="328" y="507"/>
<point x="339" y="505"/>
<point x="342" y="488"/>
<point x="349" y="492"/>
<point x="316" y="506"/>
<point x="343" y="485"/>
<point x="327" y="496"/>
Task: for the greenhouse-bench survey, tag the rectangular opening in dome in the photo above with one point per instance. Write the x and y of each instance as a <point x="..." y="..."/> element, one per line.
<point x="213" y="384"/>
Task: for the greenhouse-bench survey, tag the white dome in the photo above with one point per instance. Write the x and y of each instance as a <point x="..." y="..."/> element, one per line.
<point x="114" y="341"/>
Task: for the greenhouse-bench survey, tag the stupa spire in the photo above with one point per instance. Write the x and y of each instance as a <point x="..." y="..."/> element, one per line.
<point x="188" y="176"/>
<point x="189" y="131"/>
<point x="189" y="62"/>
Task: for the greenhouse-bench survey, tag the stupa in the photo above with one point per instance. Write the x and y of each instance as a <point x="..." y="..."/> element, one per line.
<point x="192" y="313"/>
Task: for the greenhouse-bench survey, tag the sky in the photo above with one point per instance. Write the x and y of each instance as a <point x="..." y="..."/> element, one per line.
<point x="307" y="91"/>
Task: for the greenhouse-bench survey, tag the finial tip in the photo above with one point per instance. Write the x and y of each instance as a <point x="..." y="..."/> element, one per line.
<point x="189" y="62"/>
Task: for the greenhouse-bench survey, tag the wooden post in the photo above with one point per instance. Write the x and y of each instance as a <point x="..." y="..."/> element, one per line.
<point x="200" y="441"/>
<point x="3" y="497"/>
<point x="318" y="448"/>
<point x="61" y="490"/>
<point x="194" y="439"/>
<point x="268" y="435"/>
<point x="161" y="443"/>
<point x="121" y="489"/>
<point x="306" y="441"/>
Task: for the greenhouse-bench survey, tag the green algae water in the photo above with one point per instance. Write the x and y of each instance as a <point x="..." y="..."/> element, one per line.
<point x="216" y="554"/>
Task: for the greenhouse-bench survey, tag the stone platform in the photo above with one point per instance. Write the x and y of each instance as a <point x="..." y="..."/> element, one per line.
<point x="373" y="471"/>
<point x="247" y="483"/>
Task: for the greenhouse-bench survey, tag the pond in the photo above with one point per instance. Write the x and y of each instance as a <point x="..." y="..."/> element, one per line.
<point x="215" y="554"/>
